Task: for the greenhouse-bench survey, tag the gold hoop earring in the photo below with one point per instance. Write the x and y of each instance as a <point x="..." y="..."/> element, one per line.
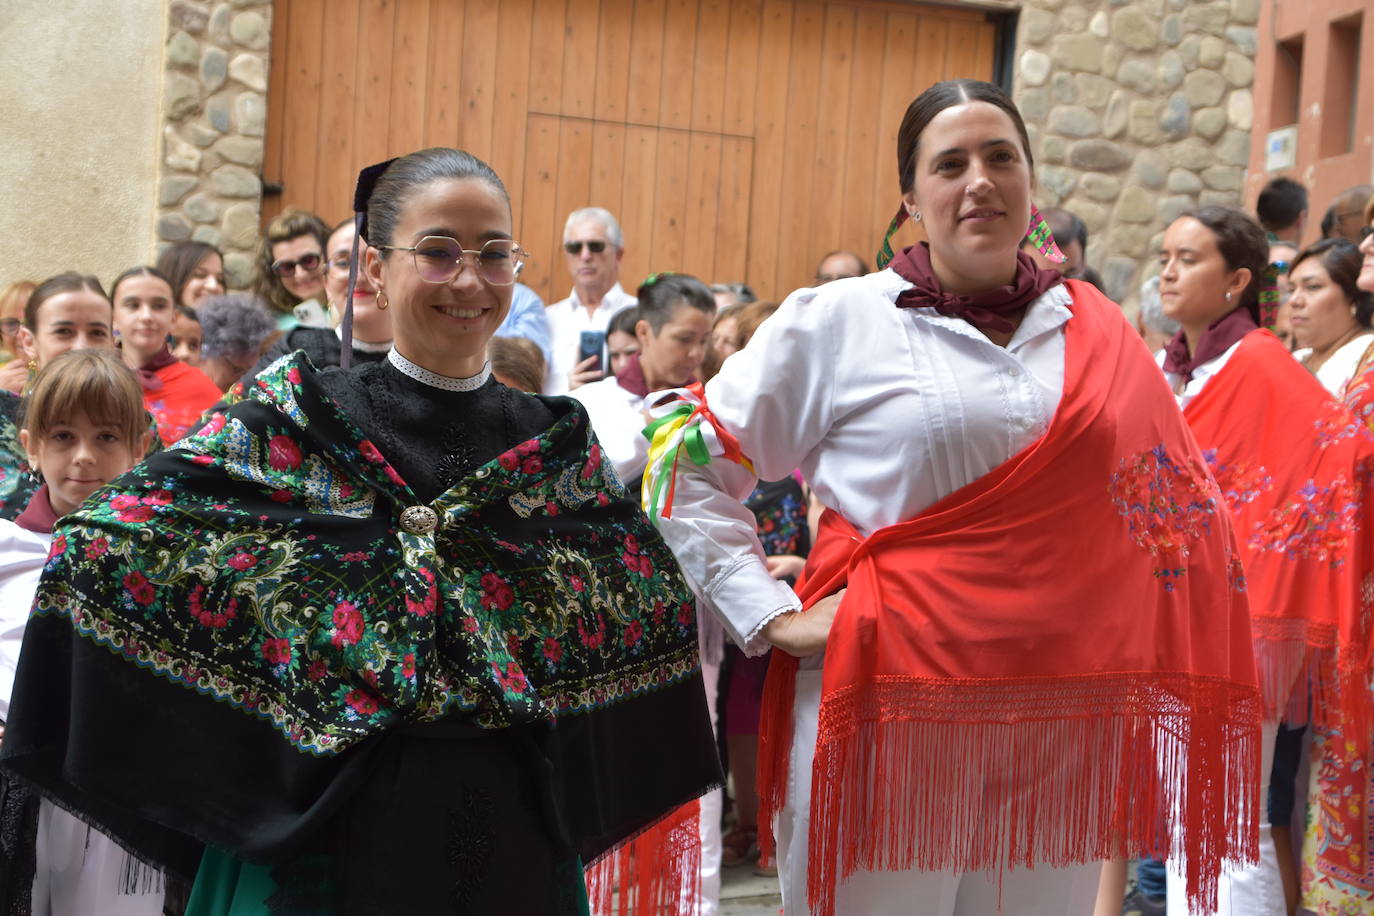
<point x="383" y="303"/>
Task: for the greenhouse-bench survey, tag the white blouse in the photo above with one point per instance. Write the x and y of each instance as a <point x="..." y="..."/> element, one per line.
<point x="618" y="420"/>
<point x="1185" y="392"/>
<point x="1336" y="372"/>
<point x="22" y="555"/>
<point x="885" y="411"/>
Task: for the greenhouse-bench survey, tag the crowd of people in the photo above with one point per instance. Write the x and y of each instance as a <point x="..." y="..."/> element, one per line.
<point x="929" y="589"/>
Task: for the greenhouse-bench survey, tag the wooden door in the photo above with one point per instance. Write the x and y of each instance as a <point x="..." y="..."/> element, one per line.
<point x="738" y="141"/>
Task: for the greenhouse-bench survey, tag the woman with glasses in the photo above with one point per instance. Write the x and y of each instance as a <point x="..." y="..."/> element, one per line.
<point x="388" y="639"/>
<point x="289" y="274"/>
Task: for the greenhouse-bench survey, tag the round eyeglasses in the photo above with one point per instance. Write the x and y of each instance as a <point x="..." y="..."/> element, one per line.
<point x="438" y="259"/>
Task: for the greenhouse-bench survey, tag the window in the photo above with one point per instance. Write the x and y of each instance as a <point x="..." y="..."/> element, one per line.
<point x="1340" y="94"/>
<point x="1286" y="103"/>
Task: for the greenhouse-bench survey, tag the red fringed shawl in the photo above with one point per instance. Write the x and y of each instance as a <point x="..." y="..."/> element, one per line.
<point x="1296" y="468"/>
<point x="1051" y="665"/>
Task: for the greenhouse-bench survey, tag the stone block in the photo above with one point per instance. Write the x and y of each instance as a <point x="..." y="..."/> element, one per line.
<point x="1204" y="87"/>
<point x="1234" y="148"/>
<point x="238" y="269"/>
<point x="1191" y="153"/>
<point x="1131" y="241"/>
<point x="1171" y="30"/>
<point x="1170" y="208"/>
<point x="1188" y="50"/>
<point x="235" y="181"/>
<point x="1059" y="181"/>
<point x="1099" y="156"/>
<point x="1037" y="25"/>
<point x="1101" y="187"/>
<point x="173" y="188"/>
<point x="1099" y="24"/>
<point x="188" y="16"/>
<point x="1054" y="150"/>
<point x="1238" y="69"/>
<point x="217" y="112"/>
<point x="1174" y="120"/>
<point x="1142" y="123"/>
<point x="1035" y="68"/>
<point x="1246" y="12"/>
<point x="201" y="135"/>
<point x="209" y="235"/>
<point x="1183" y="181"/>
<point x="1075" y="121"/>
<point x="182" y="50"/>
<point x="201" y="208"/>
<point x="1034" y="104"/>
<point x="219" y="24"/>
<point x="1093" y="91"/>
<point x="1064" y="89"/>
<point x="251" y="109"/>
<point x="1219" y="199"/>
<point x="1245" y="38"/>
<point x="1093" y="214"/>
<point x="250" y="30"/>
<point x="240" y="224"/>
<point x="1112" y="56"/>
<point x="1207" y="17"/>
<point x="251" y="70"/>
<point x="1170" y="70"/>
<point x="1119" y="276"/>
<point x="1136" y="205"/>
<point x="180" y="96"/>
<point x="241" y="151"/>
<point x="1135" y="29"/>
<point x="1223" y="177"/>
<point x="1137" y="74"/>
<point x="214" y="69"/>
<point x="1208" y="123"/>
<point x="173" y="227"/>
<point x="1149" y="169"/>
<point x="1240" y="109"/>
<point x="1078" y="51"/>
<point x="1074" y="18"/>
<point x="1211" y="51"/>
<point x="1118" y="113"/>
<point x="178" y="154"/>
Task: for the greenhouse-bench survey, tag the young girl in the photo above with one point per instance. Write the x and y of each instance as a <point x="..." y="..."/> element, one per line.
<point x="82" y="426"/>
<point x="175" y="394"/>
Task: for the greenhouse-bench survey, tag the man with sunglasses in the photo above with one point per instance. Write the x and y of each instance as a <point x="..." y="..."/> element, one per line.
<point x="593" y="247"/>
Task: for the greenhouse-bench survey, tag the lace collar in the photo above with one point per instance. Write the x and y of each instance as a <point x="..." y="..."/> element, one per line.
<point x="434" y="379"/>
<point x="363" y="346"/>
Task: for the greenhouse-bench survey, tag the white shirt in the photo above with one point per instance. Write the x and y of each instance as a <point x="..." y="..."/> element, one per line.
<point x="885" y="411"/>
<point x="567" y="320"/>
<point x="1335" y="373"/>
<point x="618" y="420"/>
<point x="22" y="555"/>
<point x="1203" y="374"/>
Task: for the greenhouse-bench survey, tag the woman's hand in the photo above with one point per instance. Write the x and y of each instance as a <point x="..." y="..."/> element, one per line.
<point x="585" y="372"/>
<point x="784" y="566"/>
<point x="804" y="633"/>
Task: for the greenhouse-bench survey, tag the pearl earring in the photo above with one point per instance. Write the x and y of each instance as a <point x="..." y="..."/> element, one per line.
<point x="1228" y="295"/>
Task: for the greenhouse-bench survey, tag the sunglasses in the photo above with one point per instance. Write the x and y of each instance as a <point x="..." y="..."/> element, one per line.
<point x="309" y="263"/>
<point x="575" y="248"/>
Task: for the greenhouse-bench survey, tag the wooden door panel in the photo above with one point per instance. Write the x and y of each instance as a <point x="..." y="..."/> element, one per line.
<point x="735" y="140"/>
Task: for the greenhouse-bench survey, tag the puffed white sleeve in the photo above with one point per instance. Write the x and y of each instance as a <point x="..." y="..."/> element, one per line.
<point x="775" y="397"/>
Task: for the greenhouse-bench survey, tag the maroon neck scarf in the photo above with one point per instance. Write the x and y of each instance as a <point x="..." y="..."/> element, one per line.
<point x="1219" y="337"/>
<point x="986" y="311"/>
<point x="147" y="373"/>
<point x="631" y="377"/>
<point x="38" y="516"/>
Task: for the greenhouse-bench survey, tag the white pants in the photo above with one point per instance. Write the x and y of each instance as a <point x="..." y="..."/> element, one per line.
<point x="711" y="804"/>
<point x="82" y="872"/>
<point x="1069" y="891"/>
<point x="1256" y="890"/>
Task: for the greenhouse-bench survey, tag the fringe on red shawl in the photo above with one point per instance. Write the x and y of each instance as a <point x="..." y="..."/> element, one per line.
<point x="658" y="871"/>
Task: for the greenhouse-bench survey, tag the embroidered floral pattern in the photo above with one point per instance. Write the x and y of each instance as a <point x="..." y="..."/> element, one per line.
<point x="1316" y="522"/>
<point x="1239" y="482"/>
<point x="263" y="563"/>
<point x="1168" y="506"/>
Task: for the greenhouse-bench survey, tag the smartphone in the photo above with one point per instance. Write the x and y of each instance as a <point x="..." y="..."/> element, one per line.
<point x="592" y="343"/>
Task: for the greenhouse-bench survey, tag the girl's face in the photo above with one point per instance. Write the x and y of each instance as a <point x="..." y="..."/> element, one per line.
<point x="674" y="354"/>
<point x="79" y="457"/>
<point x="76" y="320"/>
<point x="1194" y="279"/>
<point x="186" y="340"/>
<point x="445" y="326"/>
<point x="1321" y="313"/>
<point x="143" y="316"/>
<point x="621" y="346"/>
<point x="206" y="280"/>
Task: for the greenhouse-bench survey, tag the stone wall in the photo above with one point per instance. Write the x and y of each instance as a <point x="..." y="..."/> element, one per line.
<point x="214" y="119"/>
<point x="1137" y="112"/>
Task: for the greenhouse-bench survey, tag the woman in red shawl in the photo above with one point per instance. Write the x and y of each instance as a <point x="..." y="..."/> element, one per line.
<point x="1295" y="469"/>
<point x="174" y="393"/>
<point x="1020" y="645"/>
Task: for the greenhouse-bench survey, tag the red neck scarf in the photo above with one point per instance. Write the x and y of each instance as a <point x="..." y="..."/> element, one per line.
<point x="38" y="516"/>
<point x="1297" y="471"/>
<point x="1047" y="666"/>
<point x="147" y="373"/>
<point x="986" y="311"/>
<point x="631" y="377"/>
<point x="1219" y="337"/>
